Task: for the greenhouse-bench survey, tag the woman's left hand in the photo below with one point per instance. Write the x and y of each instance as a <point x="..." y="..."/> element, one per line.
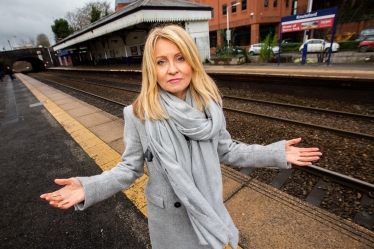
<point x="301" y="156"/>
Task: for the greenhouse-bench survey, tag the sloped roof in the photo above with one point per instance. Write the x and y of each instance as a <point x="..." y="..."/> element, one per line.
<point x="138" y="5"/>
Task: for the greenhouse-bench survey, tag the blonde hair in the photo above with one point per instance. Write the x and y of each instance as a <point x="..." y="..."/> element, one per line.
<point x="202" y="87"/>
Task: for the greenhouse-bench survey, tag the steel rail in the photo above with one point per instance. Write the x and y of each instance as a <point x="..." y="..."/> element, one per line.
<point x="87" y="93"/>
<point x="325" y="128"/>
<point x="344" y="180"/>
<point x="354" y="115"/>
<point x="320" y="127"/>
<point x="314" y="170"/>
<point x="341" y="179"/>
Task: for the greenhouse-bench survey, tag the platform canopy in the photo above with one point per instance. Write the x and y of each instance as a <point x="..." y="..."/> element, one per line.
<point x="138" y="12"/>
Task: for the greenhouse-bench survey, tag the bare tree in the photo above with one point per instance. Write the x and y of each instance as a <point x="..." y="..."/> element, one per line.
<point x="32" y="41"/>
<point x="22" y="43"/>
<point x="81" y="18"/>
<point x="42" y="40"/>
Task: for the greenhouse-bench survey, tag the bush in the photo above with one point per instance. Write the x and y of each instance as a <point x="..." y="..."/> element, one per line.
<point x="348" y="45"/>
<point x="291" y="47"/>
<point x="224" y="52"/>
<point x="344" y="45"/>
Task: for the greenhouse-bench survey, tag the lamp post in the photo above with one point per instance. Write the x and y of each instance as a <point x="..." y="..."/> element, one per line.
<point x="228" y="34"/>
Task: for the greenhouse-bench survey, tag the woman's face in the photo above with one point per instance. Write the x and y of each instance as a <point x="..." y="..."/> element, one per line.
<point x="173" y="72"/>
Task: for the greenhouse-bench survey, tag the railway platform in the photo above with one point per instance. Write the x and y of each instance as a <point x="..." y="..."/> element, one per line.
<point x="343" y="71"/>
<point x="46" y="134"/>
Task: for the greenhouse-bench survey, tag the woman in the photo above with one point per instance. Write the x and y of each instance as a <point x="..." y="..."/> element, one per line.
<point x="177" y="126"/>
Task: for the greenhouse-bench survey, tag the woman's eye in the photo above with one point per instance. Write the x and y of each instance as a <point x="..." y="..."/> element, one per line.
<point x="180" y="58"/>
<point x="160" y="62"/>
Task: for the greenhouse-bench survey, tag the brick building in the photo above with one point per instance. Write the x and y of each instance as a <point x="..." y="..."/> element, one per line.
<point x="251" y="21"/>
<point x="119" y="4"/>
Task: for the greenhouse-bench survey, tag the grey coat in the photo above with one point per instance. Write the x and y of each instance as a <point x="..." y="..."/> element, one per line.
<point x="169" y="225"/>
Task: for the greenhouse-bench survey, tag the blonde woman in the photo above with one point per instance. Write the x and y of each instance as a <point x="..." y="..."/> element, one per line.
<point x="177" y="127"/>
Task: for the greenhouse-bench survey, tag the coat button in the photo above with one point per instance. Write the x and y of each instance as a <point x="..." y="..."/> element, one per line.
<point x="177" y="204"/>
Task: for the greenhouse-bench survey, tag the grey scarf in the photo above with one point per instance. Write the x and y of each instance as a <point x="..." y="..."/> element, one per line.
<point x="193" y="168"/>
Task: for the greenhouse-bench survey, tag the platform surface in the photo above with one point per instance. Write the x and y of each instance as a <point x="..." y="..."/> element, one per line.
<point x="91" y="141"/>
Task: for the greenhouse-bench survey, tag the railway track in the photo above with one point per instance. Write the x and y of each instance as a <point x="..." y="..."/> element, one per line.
<point x="321" y="182"/>
<point x="359" y="120"/>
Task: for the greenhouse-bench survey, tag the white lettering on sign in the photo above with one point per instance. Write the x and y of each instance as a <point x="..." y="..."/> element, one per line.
<point x="306" y="15"/>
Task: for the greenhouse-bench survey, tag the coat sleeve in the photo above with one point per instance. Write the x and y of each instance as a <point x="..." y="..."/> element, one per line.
<point x="259" y="156"/>
<point x="100" y="187"/>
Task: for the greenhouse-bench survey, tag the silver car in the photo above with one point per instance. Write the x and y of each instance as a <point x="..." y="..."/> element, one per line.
<point x="256" y="48"/>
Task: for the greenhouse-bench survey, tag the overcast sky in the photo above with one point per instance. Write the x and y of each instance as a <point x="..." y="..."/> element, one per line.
<point x="28" y="18"/>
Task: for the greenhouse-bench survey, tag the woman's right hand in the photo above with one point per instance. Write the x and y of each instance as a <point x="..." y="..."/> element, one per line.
<point x="72" y="193"/>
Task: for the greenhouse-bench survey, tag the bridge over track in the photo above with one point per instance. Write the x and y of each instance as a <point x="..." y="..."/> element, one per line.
<point x="39" y="58"/>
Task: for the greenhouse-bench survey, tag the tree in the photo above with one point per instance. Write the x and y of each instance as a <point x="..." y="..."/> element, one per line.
<point x="266" y="50"/>
<point x="32" y="41"/>
<point x="61" y="29"/>
<point x="82" y="17"/>
<point x="95" y="14"/>
<point x="42" y="40"/>
<point x="22" y="43"/>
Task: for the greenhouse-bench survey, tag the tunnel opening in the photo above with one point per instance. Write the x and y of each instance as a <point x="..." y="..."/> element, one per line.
<point x="33" y="64"/>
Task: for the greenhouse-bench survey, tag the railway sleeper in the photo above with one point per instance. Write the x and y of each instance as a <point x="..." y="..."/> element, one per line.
<point x="363" y="218"/>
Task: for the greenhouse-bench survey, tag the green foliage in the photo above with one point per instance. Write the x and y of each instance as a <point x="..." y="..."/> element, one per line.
<point x="95" y="14"/>
<point x="348" y="45"/>
<point x="266" y="53"/>
<point x="223" y="34"/>
<point x="291" y="47"/>
<point x="344" y="45"/>
<point x="225" y="52"/>
<point x="106" y="12"/>
<point x="61" y="29"/>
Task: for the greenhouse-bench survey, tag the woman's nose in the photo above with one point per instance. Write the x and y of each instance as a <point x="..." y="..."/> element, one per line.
<point x="173" y="69"/>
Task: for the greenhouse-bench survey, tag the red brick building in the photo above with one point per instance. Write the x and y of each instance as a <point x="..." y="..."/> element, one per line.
<point x="251" y="21"/>
<point x="119" y="4"/>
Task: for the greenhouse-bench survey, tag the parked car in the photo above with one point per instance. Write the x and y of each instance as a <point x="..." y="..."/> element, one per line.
<point x="319" y="45"/>
<point x="364" y="33"/>
<point x="367" y="44"/>
<point x="256" y="48"/>
<point x="287" y="40"/>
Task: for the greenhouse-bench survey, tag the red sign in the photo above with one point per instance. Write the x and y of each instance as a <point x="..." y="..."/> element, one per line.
<point x="306" y="25"/>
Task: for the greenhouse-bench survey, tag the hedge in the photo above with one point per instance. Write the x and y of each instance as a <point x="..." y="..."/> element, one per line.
<point x="344" y="45"/>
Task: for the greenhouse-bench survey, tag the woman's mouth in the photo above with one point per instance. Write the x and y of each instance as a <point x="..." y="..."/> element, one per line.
<point x="176" y="80"/>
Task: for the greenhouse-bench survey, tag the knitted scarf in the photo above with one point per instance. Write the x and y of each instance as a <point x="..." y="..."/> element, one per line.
<point x="193" y="168"/>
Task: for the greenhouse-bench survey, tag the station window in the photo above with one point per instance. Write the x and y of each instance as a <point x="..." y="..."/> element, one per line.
<point x="244" y="4"/>
<point x="266" y="3"/>
<point x="233" y="8"/>
<point x="275" y="4"/>
<point x="287" y="3"/>
<point x="212" y="12"/>
<point x="224" y="9"/>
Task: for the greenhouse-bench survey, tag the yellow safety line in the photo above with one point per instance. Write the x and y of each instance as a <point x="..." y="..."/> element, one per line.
<point x="103" y="155"/>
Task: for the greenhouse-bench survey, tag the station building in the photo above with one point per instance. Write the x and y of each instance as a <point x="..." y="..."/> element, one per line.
<point x="120" y="37"/>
